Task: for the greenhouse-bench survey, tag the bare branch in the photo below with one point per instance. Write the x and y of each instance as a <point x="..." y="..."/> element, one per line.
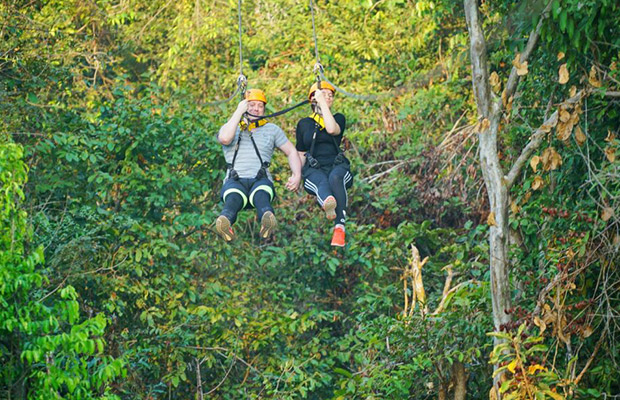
<point x="535" y="141"/>
<point x="199" y="381"/>
<point x="478" y="49"/>
<point x="513" y="79"/>
<point x="592" y="356"/>
<point x="445" y="296"/>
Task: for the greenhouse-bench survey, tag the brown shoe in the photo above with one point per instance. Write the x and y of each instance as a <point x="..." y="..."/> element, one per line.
<point x="222" y="226"/>
<point x="330" y="207"/>
<point x="267" y="224"/>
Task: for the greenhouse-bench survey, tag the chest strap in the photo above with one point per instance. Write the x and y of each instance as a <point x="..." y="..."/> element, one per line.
<point x="245" y="126"/>
<point x="320" y="122"/>
<point x="263" y="164"/>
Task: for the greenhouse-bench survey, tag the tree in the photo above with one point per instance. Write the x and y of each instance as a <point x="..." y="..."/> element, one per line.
<point x="494" y="118"/>
<point x="45" y="351"/>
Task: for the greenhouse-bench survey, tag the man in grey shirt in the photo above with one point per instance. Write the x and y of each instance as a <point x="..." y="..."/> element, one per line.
<point x="248" y="144"/>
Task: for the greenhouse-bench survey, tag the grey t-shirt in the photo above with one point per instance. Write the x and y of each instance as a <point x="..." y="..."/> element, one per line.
<point x="247" y="164"/>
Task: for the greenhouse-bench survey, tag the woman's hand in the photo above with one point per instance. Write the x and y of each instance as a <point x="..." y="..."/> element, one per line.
<point x="293" y="182"/>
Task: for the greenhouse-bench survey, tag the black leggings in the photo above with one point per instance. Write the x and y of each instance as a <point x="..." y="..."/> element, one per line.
<point x="330" y="182"/>
<point x="246" y="193"/>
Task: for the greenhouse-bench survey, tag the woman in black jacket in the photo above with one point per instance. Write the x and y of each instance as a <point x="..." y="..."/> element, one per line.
<point x="326" y="171"/>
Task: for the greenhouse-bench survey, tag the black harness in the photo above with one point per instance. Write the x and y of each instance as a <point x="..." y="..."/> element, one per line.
<point x="313" y="162"/>
<point x="262" y="172"/>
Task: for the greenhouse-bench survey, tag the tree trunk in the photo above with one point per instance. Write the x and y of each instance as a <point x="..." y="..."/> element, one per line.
<point x="498" y="243"/>
<point x="459" y="378"/>
<point x="489" y="113"/>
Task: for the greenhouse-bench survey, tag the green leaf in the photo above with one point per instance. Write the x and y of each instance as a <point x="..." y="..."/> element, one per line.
<point x="343" y="372"/>
<point x="32" y="98"/>
<point x="555" y="8"/>
<point x="563" y="18"/>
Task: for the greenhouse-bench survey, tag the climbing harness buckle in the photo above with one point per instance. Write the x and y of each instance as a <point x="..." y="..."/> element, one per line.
<point x="312" y="162"/>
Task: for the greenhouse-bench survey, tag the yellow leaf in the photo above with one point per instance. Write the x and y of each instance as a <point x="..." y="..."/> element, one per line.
<point x="509" y="105"/>
<point x="523" y="70"/>
<point x="607" y="213"/>
<point x="491" y="219"/>
<point x="538" y="183"/>
<point x="610" y="153"/>
<point x="564" y="116"/>
<point x="551" y="159"/>
<point x="493" y="393"/>
<point x="556" y="161"/>
<point x="563" y="74"/>
<point x="554" y="395"/>
<point x="540" y="323"/>
<point x="512" y="366"/>
<point x="613" y="66"/>
<point x="514" y="207"/>
<point x="593" y="79"/>
<point x="521" y="67"/>
<point x="494" y="79"/>
<point x="534" y="162"/>
<point x="579" y="136"/>
<point x="561" y="56"/>
<point x="531" y="370"/>
<point x="572" y="91"/>
<point x="564" y="130"/>
<point x="586" y="331"/>
<point x="484" y="125"/>
<point x="610" y="136"/>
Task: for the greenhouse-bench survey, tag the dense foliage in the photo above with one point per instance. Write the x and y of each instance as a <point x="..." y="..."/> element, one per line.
<point x="115" y="285"/>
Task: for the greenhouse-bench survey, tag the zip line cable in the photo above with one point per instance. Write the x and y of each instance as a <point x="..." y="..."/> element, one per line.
<point x="242" y="81"/>
<point x="240" y="36"/>
<point x="318" y="70"/>
<point x="316" y="46"/>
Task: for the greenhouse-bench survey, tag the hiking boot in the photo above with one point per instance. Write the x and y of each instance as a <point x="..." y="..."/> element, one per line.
<point x="222" y="226"/>
<point x="329" y="205"/>
<point x="338" y="237"/>
<point x="267" y="224"/>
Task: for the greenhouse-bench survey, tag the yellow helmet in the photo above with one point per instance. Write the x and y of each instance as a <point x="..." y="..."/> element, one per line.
<point x="324" y="85"/>
<point x="256" y="94"/>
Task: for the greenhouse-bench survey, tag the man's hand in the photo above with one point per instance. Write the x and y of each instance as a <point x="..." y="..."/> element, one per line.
<point x="242" y="108"/>
<point x="293" y="183"/>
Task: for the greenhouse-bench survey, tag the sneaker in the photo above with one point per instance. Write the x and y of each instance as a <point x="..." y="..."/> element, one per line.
<point x="222" y="226"/>
<point x="267" y="224"/>
<point x="330" y="207"/>
<point x="338" y="237"/>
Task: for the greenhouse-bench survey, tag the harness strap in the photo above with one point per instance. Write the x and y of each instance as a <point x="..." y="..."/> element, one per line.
<point x="263" y="164"/>
<point x="252" y="125"/>
<point x="318" y="121"/>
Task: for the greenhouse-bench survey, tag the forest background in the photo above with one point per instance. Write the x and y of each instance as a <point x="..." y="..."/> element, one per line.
<point x="114" y="285"/>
